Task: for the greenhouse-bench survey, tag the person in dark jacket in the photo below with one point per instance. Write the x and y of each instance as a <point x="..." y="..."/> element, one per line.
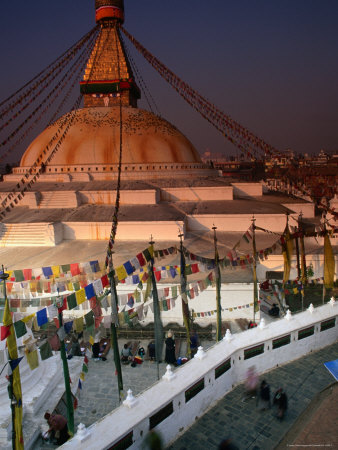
<point x="280" y="399"/>
<point x="264" y="395"/>
<point x="170" y="357"/>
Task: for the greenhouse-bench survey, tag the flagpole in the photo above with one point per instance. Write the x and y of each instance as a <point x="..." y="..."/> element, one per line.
<point x="253" y="220"/>
<point x="69" y="400"/>
<point x="185" y="307"/>
<point x="218" y="291"/>
<point x="14" y="387"/>
<point x="114" y="324"/>
<point x="325" y="231"/>
<point x="303" y="260"/>
<point x="158" y="327"/>
<point x="3" y="277"/>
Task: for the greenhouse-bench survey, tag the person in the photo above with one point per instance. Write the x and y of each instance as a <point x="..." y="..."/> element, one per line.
<point x="170" y="357"/>
<point x="75" y="349"/>
<point x="265" y="395"/>
<point x="151" y="348"/>
<point x="251" y="384"/>
<point x="274" y="311"/>
<point x="126" y="355"/>
<point x="58" y="428"/>
<point x="141" y="352"/>
<point x="193" y="343"/>
<point x="280" y="399"/>
<point x="96" y="350"/>
<point x="152" y="441"/>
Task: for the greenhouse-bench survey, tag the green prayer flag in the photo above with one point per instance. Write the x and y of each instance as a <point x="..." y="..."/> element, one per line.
<point x="45" y="351"/>
<point x="147" y="254"/>
<point x="71" y="301"/>
<point x="188" y="270"/>
<point x="20" y="328"/>
<point x="65" y="268"/>
<point x="84" y="368"/>
<point x="165" y="305"/>
<point x="89" y="318"/>
<point x="36" y="302"/>
<point x="19" y="275"/>
<point x="76" y="286"/>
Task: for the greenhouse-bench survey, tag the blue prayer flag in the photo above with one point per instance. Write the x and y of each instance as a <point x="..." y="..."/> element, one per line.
<point x="89" y="290"/>
<point x="136" y="279"/>
<point x="129" y="267"/>
<point x="42" y="317"/>
<point x="47" y="271"/>
<point x="68" y="326"/>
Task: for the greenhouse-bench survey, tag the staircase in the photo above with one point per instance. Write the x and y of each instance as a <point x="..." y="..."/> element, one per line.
<point x="30" y="234"/>
<point x="58" y="199"/>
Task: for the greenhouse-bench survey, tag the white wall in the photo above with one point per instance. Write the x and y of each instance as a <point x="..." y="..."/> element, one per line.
<point x="124" y="420"/>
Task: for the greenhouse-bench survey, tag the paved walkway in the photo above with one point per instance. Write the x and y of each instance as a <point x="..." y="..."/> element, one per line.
<point x="248" y="427"/>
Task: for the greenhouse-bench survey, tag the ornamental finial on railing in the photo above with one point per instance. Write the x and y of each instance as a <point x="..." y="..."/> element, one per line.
<point x="130" y="401"/>
<point x="201" y="354"/>
<point x="228" y="336"/>
<point x="288" y="315"/>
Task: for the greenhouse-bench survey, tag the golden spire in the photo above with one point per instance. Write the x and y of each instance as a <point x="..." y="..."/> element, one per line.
<point x="108" y="75"/>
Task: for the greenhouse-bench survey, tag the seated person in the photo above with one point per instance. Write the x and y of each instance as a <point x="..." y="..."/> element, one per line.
<point x="193" y="343"/>
<point x="141" y="352"/>
<point x="274" y="311"/>
<point x="126" y="355"/>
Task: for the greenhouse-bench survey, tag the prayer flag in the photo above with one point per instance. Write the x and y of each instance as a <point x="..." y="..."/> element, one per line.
<point x="75" y="269"/>
<point x="329" y="263"/>
<point x="129" y="268"/>
<point x="45" y="351"/>
<point x="47" y="271"/>
<point x="42" y="317"/>
<point x="5" y="331"/>
<point x="89" y="318"/>
<point x="79" y="324"/>
<point x="71" y="301"/>
<point x="68" y="326"/>
<point x="89" y="290"/>
<point x="80" y="296"/>
<point x="20" y="328"/>
<point x="32" y="359"/>
<point x="15" y="362"/>
<point x="121" y="273"/>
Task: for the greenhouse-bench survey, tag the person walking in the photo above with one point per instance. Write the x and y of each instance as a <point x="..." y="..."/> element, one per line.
<point x="264" y="396"/>
<point x="280" y="399"/>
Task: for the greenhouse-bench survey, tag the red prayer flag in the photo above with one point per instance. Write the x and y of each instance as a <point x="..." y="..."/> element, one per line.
<point x="27" y="273"/>
<point x="105" y="281"/>
<point x="75" y="269"/>
<point x="5" y="331"/>
<point x="141" y="259"/>
<point x="158" y="275"/>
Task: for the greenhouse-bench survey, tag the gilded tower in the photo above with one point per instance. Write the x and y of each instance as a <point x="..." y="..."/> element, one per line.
<point x="108" y="76"/>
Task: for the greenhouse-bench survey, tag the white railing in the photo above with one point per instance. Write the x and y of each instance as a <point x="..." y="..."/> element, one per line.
<point x="173" y="404"/>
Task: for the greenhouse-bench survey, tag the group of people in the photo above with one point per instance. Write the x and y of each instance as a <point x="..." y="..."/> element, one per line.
<point x="262" y="394"/>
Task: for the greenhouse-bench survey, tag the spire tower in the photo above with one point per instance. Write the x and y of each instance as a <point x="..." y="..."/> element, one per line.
<point x="108" y="75"/>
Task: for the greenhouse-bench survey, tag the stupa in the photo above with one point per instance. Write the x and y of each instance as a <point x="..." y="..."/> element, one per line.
<point x="165" y="185"/>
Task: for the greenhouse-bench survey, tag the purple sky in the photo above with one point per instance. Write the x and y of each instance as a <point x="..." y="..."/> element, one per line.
<point x="272" y="66"/>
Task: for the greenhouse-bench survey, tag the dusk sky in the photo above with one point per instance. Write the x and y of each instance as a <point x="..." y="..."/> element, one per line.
<point x="272" y="66"/>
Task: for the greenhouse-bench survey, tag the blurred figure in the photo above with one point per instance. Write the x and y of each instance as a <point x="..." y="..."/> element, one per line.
<point x="227" y="444"/>
<point x="126" y="354"/>
<point x="58" y="428"/>
<point x="280" y="399"/>
<point x="170" y="357"/>
<point x="251" y="384"/>
<point x="193" y="343"/>
<point x="153" y="441"/>
<point x="151" y="348"/>
<point x="264" y="395"/>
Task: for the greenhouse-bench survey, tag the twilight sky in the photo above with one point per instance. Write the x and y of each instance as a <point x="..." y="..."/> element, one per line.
<point x="271" y="65"/>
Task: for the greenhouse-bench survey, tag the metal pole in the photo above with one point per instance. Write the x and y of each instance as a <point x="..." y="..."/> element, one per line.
<point x="69" y="399"/>
<point x="218" y="291"/>
<point x="254" y="268"/>
<point x="158" y="327"/>
<point x="185" y="307"/>
<point x="114" y="324"/>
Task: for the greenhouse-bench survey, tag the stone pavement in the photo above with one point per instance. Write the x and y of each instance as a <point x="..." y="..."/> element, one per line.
<point x="250" y="428"/>
<point x="230" y="418"/>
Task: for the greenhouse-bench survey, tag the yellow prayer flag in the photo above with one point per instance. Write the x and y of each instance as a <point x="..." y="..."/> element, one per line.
<point x="82" y="376"/>
<point x="80" y="296"/>
<point x="32" y="359"/>
<point x="35" y="324"/>
<point x="13" y="354"/>
<point x="121" y="273"/>
<point x="295" y="290"/>
<point x="28" y="318"/>
<point x="91" y="340"/>
<point x="79" y="324"/>
<point x="32" y="286"/>
<point x="70" y="286"/>
<point x="56" y="271"/>
<point x="151" y="250"/>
